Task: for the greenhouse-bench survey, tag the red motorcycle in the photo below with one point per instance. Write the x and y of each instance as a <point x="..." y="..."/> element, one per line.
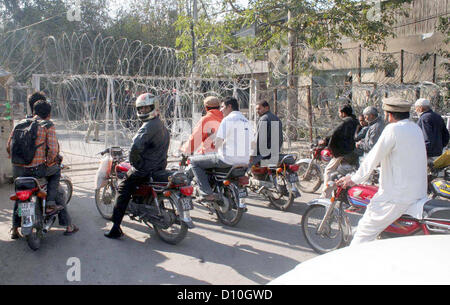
<point x="310" y="170"/>
<point x="326" y="224"/>
<point x="278" y="183"/>
<point x="163" y="203"/>
<point x="31" y="196"/>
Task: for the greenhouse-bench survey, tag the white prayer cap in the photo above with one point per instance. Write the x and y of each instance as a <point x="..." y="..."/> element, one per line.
<point x="422" y="103"/>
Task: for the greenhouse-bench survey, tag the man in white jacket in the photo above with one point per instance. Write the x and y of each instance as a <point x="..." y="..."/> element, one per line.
<point x="403" y="178"/>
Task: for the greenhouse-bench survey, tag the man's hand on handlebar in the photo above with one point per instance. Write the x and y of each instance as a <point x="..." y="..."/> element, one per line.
<point x="345" y="182"/>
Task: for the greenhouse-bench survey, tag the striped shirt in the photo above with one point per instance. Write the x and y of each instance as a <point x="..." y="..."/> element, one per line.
<point x="44" y="153"/>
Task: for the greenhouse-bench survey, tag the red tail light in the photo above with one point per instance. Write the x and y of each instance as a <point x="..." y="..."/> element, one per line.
<point x="294" y="167"/>
<point x="23" y="195"/>
<point x="244" y="180"/>
<point x="187" y="190"/>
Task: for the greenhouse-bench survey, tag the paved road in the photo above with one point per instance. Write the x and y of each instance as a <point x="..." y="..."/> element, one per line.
<point x="265" y="244"/>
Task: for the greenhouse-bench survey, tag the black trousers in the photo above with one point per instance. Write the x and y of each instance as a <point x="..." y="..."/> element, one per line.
<point x="125" y="190"/>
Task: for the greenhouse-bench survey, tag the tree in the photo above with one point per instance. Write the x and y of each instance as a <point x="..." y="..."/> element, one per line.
<point x="49" y="17"/>
<point x="147" y="22"/>
<point x="316" y="25"/>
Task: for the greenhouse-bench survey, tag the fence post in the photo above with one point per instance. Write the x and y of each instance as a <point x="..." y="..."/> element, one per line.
<point x="275" y="101"/>
<point x="108" y="103"/>
<point x="359" y="64"/>
<point x="434" y="68"/>
<point x="402" y="58"/>
<point x="308" y="96"/>
<point x="113" y="104"/>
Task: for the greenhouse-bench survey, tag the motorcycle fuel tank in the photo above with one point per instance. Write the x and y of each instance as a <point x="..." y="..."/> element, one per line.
<point x="360" y="195"/>
<point x="441" y="187"/>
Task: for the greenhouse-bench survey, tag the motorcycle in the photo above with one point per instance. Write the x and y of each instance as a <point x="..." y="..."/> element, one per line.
<point x="230" y="184"/>
<point x="278" y="183"/>
<point x="311" y="170"/>
<point x="30" y="196"/>
<point x="164" y="203"/>
<point x="326" y="224"/>
<point x="438" y="177"/>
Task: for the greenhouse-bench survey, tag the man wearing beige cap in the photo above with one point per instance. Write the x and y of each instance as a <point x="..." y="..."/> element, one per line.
<point x="201" y="140"/>
<point x="403" y="178"/>
<point x="434" y="130"/>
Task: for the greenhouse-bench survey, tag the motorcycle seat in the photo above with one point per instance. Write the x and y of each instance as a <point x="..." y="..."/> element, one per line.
<point x="229" y="172"/>
<point x="287" y="159"/>
<point x="436" y="208"/>
<point x="23" y="183"/>
<point x="163" y="177"/>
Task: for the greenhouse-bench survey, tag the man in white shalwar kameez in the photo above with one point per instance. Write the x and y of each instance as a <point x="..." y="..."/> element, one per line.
<point x="403" y="178"/>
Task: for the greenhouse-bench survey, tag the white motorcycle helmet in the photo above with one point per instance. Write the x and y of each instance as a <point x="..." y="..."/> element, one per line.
<point x="143" y="100"/>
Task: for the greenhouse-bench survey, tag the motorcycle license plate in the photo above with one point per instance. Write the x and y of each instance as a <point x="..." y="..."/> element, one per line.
<point x="292" y="178"/>
<point x="243" y="193"/>
<point x="26" y="209"/>
<point x="186" y="202"/>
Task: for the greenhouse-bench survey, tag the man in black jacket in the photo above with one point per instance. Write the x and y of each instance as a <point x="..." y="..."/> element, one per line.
<point x="434" y="130"/>
<point x="267" y="121"/>
<point x="148" y="157"/>
<point x="341" y="142"/>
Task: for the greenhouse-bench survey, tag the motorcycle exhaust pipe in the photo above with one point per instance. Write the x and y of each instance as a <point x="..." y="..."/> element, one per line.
<point x="437" y="227"/>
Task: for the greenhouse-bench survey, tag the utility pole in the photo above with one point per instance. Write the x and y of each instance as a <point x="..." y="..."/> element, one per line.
<point x="292" y="94"/>
<point x="195" y="19"/>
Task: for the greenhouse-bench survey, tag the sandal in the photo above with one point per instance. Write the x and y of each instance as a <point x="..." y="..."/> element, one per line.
<point x="74" y="230"/>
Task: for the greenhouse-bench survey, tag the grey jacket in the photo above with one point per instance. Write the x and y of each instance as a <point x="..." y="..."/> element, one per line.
<point x="373" y="133"/>
<point x="148" y="152"/>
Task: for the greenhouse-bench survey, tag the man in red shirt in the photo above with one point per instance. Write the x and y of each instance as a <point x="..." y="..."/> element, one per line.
<point x="201" y="141"/>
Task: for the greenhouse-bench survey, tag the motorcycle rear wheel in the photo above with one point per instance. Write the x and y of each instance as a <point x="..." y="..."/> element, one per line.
<point x="281" y="201"/>
<point x="104" y="200"/>
<point x="312" y="184"/>
<point x="34" y="238"/>
<point x="233" y="215"/>
<point x="331" y="239"/>
<point x="177" y="230"/>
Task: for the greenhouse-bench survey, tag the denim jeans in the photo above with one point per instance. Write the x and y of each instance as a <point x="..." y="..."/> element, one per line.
<point x="198" y="165"/>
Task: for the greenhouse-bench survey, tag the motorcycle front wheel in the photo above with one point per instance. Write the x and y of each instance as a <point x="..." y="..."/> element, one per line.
<point x="230" y="214"/>
<point x="105" y="199"/>
<point x="332" y="236"/>
<point x="176" y="230"/>
<point x="67" y="185"/>
<point x="311" y="181"/>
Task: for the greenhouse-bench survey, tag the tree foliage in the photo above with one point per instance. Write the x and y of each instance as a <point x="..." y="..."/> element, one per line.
<point x="316" y="25"/>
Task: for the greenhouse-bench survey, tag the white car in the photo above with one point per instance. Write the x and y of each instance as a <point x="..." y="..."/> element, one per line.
<point x="414" y="260"/>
